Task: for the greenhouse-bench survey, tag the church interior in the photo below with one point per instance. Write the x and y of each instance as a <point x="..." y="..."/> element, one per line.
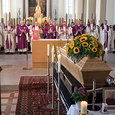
<point x="57" y="57"/>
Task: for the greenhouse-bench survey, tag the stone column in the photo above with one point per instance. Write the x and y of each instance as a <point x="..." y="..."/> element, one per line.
<point x="91" y="9"/>
<point x="48" y="8"/>
<point x="78" y="8"/>
<point x="73" y="9"/>
<point x="0" y="9"/>
<point x="27" y="8"/>
<point x="114" y="13"/>
<point x="110" y="11"/>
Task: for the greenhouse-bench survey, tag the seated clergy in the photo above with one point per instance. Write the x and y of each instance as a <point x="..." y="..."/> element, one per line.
<point x="92" y="29"/>
<point x="78" y="29"/>
<point x="113" y="39"/>
<point x="9" y="42"/>
<point x="105" y="35"/>
<point x="63" y="31"/>
<point x="38" y="29"/>
<point x="1" y="35"/>
<point x="50" y="31"/>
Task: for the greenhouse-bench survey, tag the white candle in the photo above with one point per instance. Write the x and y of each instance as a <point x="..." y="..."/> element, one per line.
<point x="59" y="63"/>
<point x="53" y="54"/>
<point x="47" y="49"/>
<point x="83" y="107"/>
<point x="105" y="54"/>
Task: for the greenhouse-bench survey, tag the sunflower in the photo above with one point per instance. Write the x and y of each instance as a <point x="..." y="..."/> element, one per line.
<point x="72" y="44"/>
<point x="84" y="44"/>
<point x="76" y="50"/>
<point x="91" y="46"/>
<point x="67" y="49"/>
<point x="82" y="39"/>
<point x="94" y="49"/>
<point x="85" y="34"/>
<point x="96" y="44"/>
<point x="100" y="52"/>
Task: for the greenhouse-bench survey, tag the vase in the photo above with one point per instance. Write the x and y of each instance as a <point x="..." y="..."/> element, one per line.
<point x="78" y="105"/>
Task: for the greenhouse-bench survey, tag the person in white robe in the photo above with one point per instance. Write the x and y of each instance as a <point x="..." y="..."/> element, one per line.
<point x="105" y="35"/>
<point x="29" y="37"/>
<point x="1" y="35"/>
<point x="63" y="31"/>
<point x="92" y="29"/>
<point x="70" y="30"/>
<point x="35" y="27"/>
<point x="113" y="39"/>
<point x="9" y="42"/>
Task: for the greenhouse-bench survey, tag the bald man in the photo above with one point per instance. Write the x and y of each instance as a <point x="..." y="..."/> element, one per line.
<point x="78" y="29"/>
<point x="9" y="33"/>
<point x="22" y="33"/>
<point x="92" y="29"/>
<point x="110" y="100"/>
<point x="50" y="31"/>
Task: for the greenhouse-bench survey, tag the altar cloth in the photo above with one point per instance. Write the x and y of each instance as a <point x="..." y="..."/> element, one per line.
<point x="73" y="111"/>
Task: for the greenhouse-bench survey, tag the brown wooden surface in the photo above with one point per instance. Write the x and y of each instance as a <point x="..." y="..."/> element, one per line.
<point x="86" y="70"/>
<point x="39" y="51"/>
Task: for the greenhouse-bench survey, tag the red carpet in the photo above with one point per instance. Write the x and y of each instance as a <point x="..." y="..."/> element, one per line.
<point x="33" y="100"/>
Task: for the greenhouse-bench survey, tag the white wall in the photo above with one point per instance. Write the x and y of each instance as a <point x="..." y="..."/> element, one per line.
<point x="12" y="8"/>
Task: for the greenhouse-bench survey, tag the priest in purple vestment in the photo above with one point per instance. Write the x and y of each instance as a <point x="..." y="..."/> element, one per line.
<point x="22" y="33"/>
<point x="105" y="35"/>
<point x="9" y="33"/>
<point x="78" y="29"/>
<point x="63" y="31"/>
<point x="50" y="31"/>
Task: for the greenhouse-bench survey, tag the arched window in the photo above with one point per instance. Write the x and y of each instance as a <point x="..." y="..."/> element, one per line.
<point x="5" y="6"/>
<point x="70" y="6"/>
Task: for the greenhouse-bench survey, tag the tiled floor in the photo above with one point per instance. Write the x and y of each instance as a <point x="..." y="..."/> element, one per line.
<point x="8" y="102"/>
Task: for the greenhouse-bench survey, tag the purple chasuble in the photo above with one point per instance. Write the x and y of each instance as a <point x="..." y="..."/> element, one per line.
<point x="51" y="35"/>
<point x="7" y="42"/>
<point x="94" y="26"/>
<point x="78" y="30"/>
<point x="22" y="36"/>
<point x="106" y="39"/>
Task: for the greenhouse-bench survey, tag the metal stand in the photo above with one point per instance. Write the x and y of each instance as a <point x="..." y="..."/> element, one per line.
<point x="58" y="99"/>
<point x="94" y="91"/>
<point x="52" y="85"/>
<point x="48" y="76"/>
<point x="26" y="68"/>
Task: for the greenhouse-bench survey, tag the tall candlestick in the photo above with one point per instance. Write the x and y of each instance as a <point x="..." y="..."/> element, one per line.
<point x="105" y="54"/>
<point x="92" y="16"/>
<point x="84" y="107"/>
<point x="59" y="63"/>
<point x="9" y="15"/>
<point x="62" y="20"/>
<point x="53" y="54"/>
<point x="69" y="22"/>
<point x="14" y="22"/>
<point x="81" y="16"/>
<point x="47" y="49"/>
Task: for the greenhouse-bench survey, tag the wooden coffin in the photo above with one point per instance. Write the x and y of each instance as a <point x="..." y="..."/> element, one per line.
<point x="86" y="70"/>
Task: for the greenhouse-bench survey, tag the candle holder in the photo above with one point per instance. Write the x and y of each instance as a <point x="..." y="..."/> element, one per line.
<point x="83" y="113"/>
<point x="48" y="75"/>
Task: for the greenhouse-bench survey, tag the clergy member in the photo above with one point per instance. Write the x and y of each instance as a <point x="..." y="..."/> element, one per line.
<point x="50" y="31"/>
<point x="70" y="30"/>
<point x="92" y="29"/>
<point x="22" y="33"/>
<point x="113" y="39"/>
<point x="78" y="29"/>
<point x="1" y="35"/>
<point x="29" y="37"/>
<point x="105" y="35"/>
<point x="63" y="31"/>
<point x="37" y="28"/>
<point x="9" y="42"/>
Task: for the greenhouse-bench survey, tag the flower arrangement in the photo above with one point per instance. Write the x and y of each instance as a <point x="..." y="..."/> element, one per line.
<point x="82" y="46"/>
<point x="79" y="95"/>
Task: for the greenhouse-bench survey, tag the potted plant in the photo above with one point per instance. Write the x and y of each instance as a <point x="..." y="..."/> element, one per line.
<point x="82" y="46"/>
<point x="79" y="95"/>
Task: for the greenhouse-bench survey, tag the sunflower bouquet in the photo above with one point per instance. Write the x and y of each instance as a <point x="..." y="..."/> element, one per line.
<point x="83" y="46"/>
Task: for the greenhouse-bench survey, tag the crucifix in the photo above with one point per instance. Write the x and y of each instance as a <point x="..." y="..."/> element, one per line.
<point x="94" y="91"/>
<point x="55" y="16"/>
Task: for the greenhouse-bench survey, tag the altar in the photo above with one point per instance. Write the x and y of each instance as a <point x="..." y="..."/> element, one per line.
<point x="39" y="51"/>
